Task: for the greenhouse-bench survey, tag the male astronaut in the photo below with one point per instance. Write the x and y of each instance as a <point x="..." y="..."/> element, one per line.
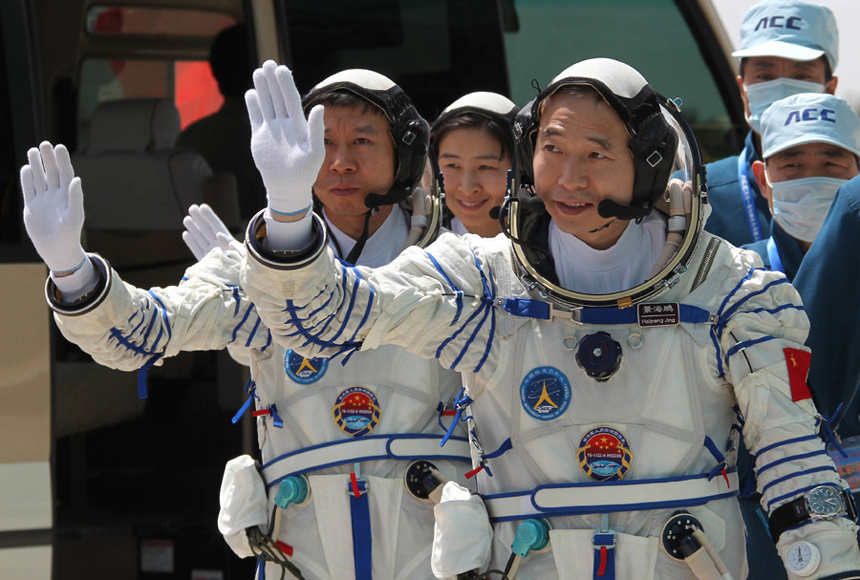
<point x="347" y="442"/>
<point x="787" y="47"/>
<point x="810" y="144"/>
<point x="636" y="365"/>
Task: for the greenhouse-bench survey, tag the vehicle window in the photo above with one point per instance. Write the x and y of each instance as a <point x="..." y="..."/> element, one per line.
<point x="554" y="34"/>
<point x="106" y="20"/>
<point x="470" y="51"/>
<point x="189" y="83"/>
<point x="395" y="39"/>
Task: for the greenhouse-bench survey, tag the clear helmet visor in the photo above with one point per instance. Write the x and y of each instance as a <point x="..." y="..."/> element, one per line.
<point x="681" y="203"/>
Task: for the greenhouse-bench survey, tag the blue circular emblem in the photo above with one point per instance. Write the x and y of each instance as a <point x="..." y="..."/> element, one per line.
<point x="356" y="411"/>
<point x="604" y="454"/>
<point x="304" y="370"/>
<point x="545" y="393"/>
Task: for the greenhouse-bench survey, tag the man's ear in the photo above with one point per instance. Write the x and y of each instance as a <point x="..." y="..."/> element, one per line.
<point x="830" y="87"/>
<point x="763" y="185"/>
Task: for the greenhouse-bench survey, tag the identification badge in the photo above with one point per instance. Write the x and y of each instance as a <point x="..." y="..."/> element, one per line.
<point x="848" y="467"/>
<point x="658" y="314"/>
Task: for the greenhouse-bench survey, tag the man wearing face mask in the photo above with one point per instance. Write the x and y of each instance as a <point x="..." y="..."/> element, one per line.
<point x="833" y="314"/>
<point x="810" y="144"/>
<point x="787" y="47"/>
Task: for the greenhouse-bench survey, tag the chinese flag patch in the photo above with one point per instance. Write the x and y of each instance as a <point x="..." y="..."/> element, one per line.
<point x="798" y="367"/>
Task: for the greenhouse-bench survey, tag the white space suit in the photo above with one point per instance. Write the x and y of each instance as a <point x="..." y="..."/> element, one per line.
<point x="666" y="417"/>
<point x="348" y="415"/>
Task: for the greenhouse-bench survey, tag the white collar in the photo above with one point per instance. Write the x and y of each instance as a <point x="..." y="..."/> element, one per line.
<point x="626" y="264"/>
<point x="382" y="247"/>
<point x="458" y="228"/>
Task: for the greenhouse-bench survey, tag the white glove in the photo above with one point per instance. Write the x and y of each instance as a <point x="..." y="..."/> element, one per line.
<point x="243" y="503"/>
<point x="54" y="207"/>
<point x="287" y="149"/>
<point x="54" y="218"/>
<point x="205" y="231"/>
<point x="462" y="534"/>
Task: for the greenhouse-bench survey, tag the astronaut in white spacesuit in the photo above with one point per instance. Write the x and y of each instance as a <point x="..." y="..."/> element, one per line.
<point x="350" y="444"/>
<point x="611" y="350"/>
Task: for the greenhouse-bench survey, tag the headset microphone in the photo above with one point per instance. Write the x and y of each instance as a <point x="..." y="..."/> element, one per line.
<point x="373" y="201"/>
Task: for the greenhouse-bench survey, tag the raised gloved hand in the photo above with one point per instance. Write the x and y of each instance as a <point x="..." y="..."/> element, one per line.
<point x="287" y="149"/>
<point x="205" y="231"/>
<point x="54" y="208"/>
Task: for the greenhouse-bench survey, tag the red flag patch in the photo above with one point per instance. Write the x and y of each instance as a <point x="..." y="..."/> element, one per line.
<point x="797" y="362"/>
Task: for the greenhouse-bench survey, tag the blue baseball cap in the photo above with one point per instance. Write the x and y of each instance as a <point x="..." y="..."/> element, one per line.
<point x="809" y="118"/>
<point x="792" y="29"/>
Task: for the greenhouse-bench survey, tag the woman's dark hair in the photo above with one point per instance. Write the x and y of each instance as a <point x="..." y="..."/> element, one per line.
<point x="468" y="120"/>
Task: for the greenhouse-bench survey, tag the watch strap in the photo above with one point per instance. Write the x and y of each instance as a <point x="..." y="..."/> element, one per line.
<point x="786" y="516"/>
<point x="795" y="513"/>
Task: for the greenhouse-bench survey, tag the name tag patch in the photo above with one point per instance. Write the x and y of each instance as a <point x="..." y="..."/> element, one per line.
<point x="658" y="314"/>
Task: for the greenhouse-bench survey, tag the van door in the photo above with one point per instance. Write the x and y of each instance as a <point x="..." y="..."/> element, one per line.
<point x="26" y="495"/>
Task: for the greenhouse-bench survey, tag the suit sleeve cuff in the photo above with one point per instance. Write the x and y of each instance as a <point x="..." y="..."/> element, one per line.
<point x="88" y="300"/>
<point x="284" y="259"/>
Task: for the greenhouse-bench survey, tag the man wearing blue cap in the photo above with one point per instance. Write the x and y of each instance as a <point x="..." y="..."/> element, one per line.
<point x="827" y="281"/>
<point x="810" y="144"/>
<point x="787" y="47"/>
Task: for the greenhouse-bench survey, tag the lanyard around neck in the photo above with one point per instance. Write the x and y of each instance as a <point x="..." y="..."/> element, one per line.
<point x="773" y="256"/>
<point x="747" y="197"/>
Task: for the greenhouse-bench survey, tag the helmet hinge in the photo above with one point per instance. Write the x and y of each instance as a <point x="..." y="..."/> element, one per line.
<point x="654" y="159"/>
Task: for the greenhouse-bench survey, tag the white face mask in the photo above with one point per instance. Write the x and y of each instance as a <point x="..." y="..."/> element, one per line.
<point x="800" y="205"/>
<point x="761" y="95"/>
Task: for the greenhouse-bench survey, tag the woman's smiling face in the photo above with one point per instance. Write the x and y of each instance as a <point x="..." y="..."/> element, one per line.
<point x="474" y="169"/>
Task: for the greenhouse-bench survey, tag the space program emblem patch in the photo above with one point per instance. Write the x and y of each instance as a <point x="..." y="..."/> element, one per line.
<point x="545" y="393"/>
<point x="304" y="370"/>
<point x="604" y="454"/>
<point x="356" y="411"/>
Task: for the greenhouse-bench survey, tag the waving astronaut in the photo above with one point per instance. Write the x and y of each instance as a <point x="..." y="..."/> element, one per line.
<point x="611" y="350"/>
<point x="350" y="444"/>
<point x="379" y="415"/>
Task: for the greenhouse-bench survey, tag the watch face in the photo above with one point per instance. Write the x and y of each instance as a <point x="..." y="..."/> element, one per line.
<point x="825" y="501"/>
<point x="799" y="556"/>
<point x="802" y="558"/>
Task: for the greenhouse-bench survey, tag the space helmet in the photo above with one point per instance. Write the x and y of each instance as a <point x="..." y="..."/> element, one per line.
<point x="481" y="103"/>
<point x="411" y="135"/>
<point x="669" y="177"/>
